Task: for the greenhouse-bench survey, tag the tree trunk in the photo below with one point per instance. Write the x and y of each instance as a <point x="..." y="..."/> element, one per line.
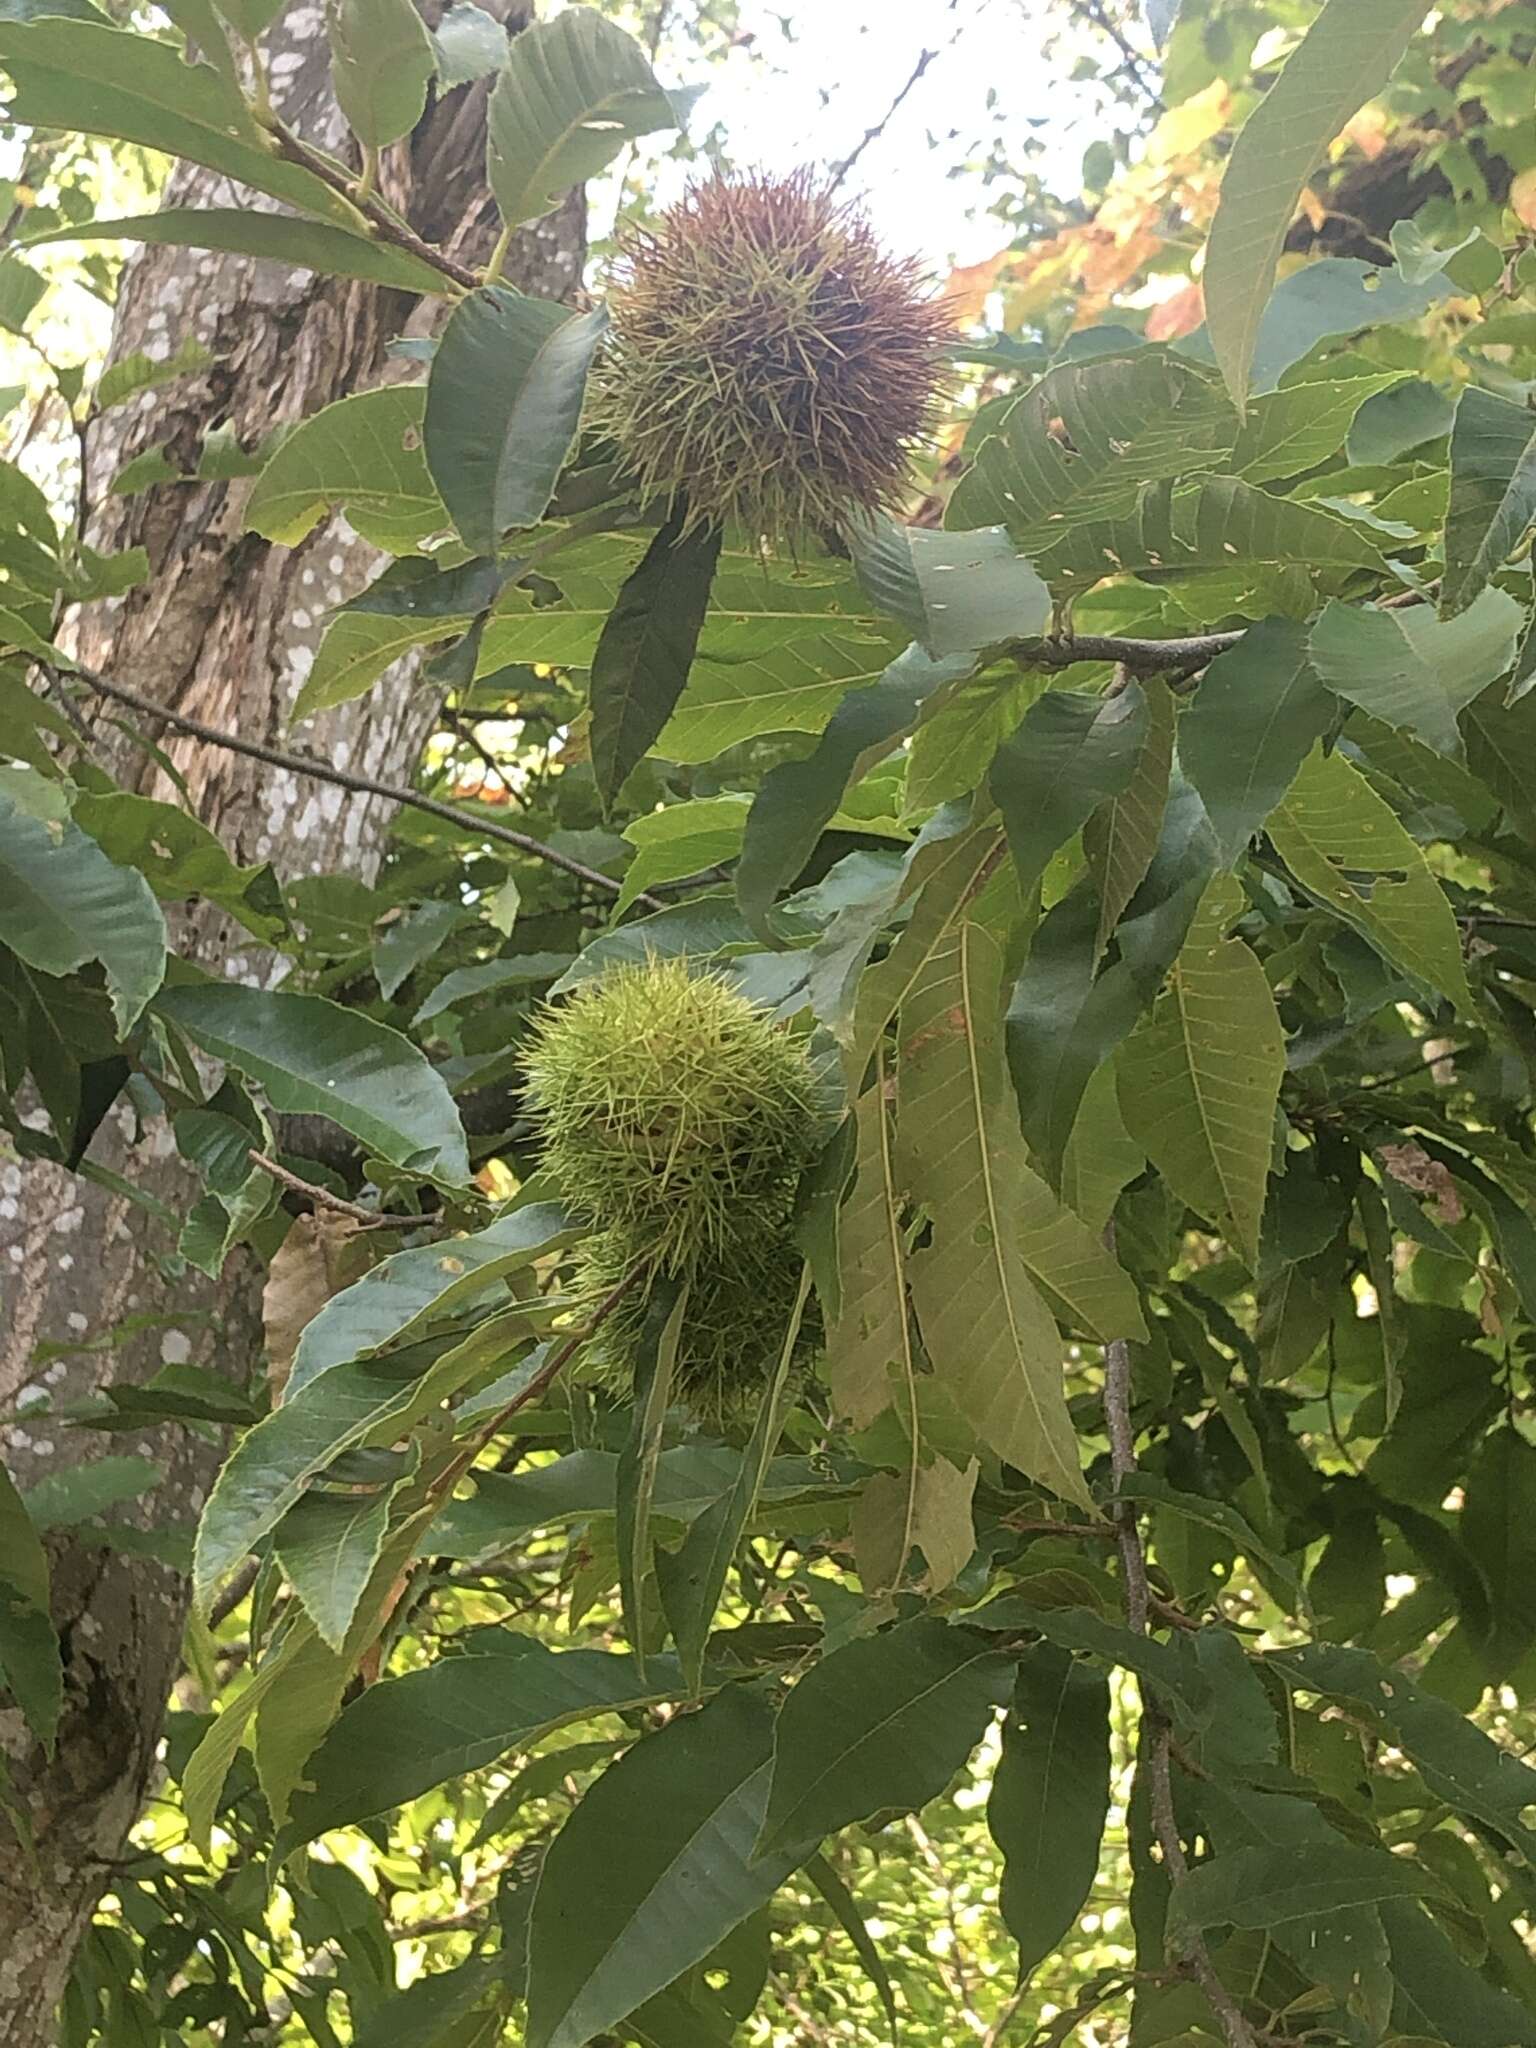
<point x="224" y="628"/>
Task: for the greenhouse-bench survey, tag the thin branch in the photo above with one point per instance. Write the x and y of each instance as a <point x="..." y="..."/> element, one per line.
<point x="360" y="785"/>
<point x="322" y="1198"/>
<point x="841" y="170"/>
<point x="1141" y="657"/>
<point x="1156" y="1741"/>
<point x="385" y="224"/>
<point x="1135" y="66"/>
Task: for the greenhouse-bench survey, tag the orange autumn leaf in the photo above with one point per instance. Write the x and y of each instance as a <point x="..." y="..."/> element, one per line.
<point x="1179" y="315"/>
<point x="970" y="285"/>
<point x="1522" y="199"/>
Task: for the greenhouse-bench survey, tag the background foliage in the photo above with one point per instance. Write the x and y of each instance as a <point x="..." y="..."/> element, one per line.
<point x="1123" y="1633"/>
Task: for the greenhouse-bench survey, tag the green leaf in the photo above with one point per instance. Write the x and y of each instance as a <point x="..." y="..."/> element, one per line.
<point x="1259" y="711"/>
<point x="179" y="856"/>
<point x="362" y="455"/>
<point x="1413" y="670"/>
<point x="1081" y="446"/>
<point x="78" y="1493"/>
<point x="1069" y="1263"/>
<point x="328" y="1544"/>
<point x="573" y="93"/>
<point x="358" y="649"/>
<point x="1493" y="493"/>
<point x="1200" y="1080"/>
<point x="1332" y="829"/>
<point x="502" y="1691"/>
<point x="872" y="1336"/>
<point x="647" y="646"/>
<point x="409" y="941"/>
<point x="845" y="1910"/>
<point x="989" y="1336"/>
<point x="1050" y="1798"/>
<point x="1278" y="1574"/>
<point x="955" y="592"/>
<point x="1072" y="753"/>
<point x="684" y="839"/>
<point x="202" y="1781"/>
<point x="314" y="1058"/>
<point x="273" y="237"/>
<point x="30" y="1665"/>
<point x="411" y="1293"/>
<point x="692" y="1578"/>
<point x="1345" y="58"/>
<point x="635" y="1475"/>
<point x="469" y="44"/>
<point x="1266" y="1888"/>
<point x="87" y="78"/>
<point x="517" y="970"/>
<point x="1293" y="430"/>
<point x="653" y="1870"/>
<point x="503" y="405"/>
<point x="883" y="1723"/>
<point x="1498" y="1526"/>
<point x="63" y="902"/>
<point x="382" y="62"/>
<point x="1121" y="837"/>
<point x="798" y="799"/>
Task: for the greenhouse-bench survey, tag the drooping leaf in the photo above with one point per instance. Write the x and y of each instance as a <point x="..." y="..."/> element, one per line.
<point x="381" y="65"/>
<point x="314" y="1058"/>
<point x="274" y="237"/>
<point x="572" y="93"/>
<point x="635" y="1474"/>
<point x="1493" y="493"/>
<point x="646" y="649"/>
<point x="992" y="1342"/>
<point x="1121" y="837"/>
<point x="63" y="902"/>
<point x="871" y="1338"/>
<point x="504" y="1691"/>
<point x="1345" y="58"/>
<point x="469" y="43"/>
<point x="653" y="1870"/>
<point x="1200" y="1080"/>
<point x="362" y="455"/>
<point x="798" y="798"/>
<point x="683" y="839"/>
<point x="1259" y="711"/>
<point x="358" y="650"/>
<point x="503" y="405"/>
<point x="1072" y="753"/>
<point x="1050" y="1798"/>
<point x="1414" y="670"/>
<point x="1331" y="828"/>
<point x="329" y="1544"/>
<point x="884" y="1722"/>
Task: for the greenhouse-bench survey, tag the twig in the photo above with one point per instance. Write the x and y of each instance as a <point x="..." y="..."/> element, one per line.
<point x="322" y="1198"/>
<point x="360" y="785"/>
<point x="234" y="1592"/>
<point x="1132" y="62"/>
<point x="1141" y="657"/>
<point x="384" y="223"/>
<point x="841" y="170"/>
<point x="1156" y="1732"/>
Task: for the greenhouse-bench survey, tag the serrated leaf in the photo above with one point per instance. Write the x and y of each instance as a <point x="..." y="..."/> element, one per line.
<point x="381" y="65"/>
<point x="955" y="592"/>
<point x="1050" y="1798"/>
<point x="1080" y="447"/>
<point x="1413" y="670"/>
<point x="572" y="93"/>
<point x="63" y="902"/>
<point x="1200" y="1080"/>
<point x="1331" y="831"/>
<point x="422" y="1287"/>
<point x="358" y="650"/>
<point x="646" y="649"/>
<point x="1072" y="753"/>
<point x="315" y="1058"/>
<point x="82" y="76"/>
<point x="1345" y="58"/>
<point x="1267" y="1888"/>
<point x="1121" y="837"/>
<point x="990" y="1338"/>
<point x="1493" y="493"/>
<point x="684" y="839"/>
<point x="872" y="1336"/>
<point x="798" y="799"/>
<point x="328" y="1545"/>
<point x="273" y="237"/>
<point x="882" y="1723"/>
<point x="362" y="455"/>
<point x="1295" y="429"/>
<point x="503" y="404"/>
<point x="503" y="1691"/>
<point x="1259" y="711"/>
<point x="653" y="1870"/>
